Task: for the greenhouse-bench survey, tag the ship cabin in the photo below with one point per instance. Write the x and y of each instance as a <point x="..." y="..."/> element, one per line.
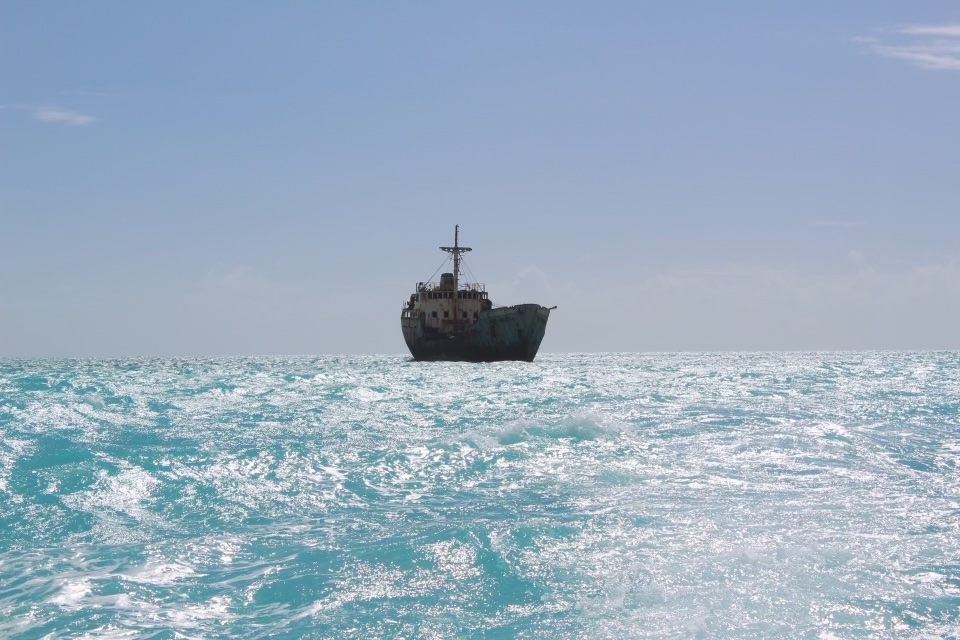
<point x="439" y="306"/>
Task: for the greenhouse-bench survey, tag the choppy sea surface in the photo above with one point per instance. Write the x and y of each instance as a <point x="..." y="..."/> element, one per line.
<point x="718" y="495"/>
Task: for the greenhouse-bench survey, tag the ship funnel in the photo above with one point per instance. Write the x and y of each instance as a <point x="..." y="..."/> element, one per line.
<point x="446" y="282"/>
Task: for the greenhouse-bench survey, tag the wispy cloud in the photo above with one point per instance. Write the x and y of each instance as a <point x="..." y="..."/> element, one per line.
<point x="243" y="278"/>
<point x="53" y="114"/>
<point x="838" y="224"/>
<point x="62" y="115"/>
<point x="236" y="278"/>
<point x="926" y="46"/>
<point x="948" y="30"/>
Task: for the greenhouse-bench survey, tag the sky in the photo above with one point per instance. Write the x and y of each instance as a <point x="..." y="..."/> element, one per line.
<point x="242" y="178"/>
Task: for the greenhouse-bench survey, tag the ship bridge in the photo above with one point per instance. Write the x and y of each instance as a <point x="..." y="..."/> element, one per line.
<point x="448" y="306"/>
<point x="445" y="309"/>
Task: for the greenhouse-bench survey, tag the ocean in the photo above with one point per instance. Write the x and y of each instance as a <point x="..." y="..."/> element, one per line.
<point x="694" y="495"/>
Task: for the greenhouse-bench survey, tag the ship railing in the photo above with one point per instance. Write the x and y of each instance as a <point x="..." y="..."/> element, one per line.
<point x="464" y="286"/>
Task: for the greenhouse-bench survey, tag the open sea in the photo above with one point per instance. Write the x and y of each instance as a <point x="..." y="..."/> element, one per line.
<point x="695" y="495"/>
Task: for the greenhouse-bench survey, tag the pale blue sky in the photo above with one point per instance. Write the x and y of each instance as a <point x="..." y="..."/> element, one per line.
<point x="258" y="178"/>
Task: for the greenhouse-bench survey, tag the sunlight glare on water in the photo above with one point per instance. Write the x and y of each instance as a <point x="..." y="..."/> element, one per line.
<point x="586" y="495"/>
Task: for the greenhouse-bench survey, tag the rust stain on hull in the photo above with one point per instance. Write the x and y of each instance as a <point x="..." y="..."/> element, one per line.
<point x="507" y="333"/>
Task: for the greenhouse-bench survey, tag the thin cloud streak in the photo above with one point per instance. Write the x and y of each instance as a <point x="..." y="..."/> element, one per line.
<point x="63" y="116"/>
<point x="838" y="224"/>
<point x="52" y="114"/>
<point x="935" y="47"/>
<point x="942" y="56"/>
<point x="948" y="30"/>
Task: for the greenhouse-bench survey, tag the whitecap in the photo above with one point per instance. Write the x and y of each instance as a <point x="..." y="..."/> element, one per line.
<point x="160" y="573"/>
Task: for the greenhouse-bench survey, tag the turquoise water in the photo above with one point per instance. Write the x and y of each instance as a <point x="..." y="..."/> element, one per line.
<point x="801" y="495"/>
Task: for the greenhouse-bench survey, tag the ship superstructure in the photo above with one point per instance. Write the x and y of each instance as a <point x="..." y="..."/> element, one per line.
<point x="454" y="320"/>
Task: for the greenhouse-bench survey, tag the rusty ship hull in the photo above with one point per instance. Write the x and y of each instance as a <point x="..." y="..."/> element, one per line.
<point x="505" y="333"/>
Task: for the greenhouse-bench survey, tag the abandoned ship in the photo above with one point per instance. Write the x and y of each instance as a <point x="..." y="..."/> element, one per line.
<point x="454" y="320"/>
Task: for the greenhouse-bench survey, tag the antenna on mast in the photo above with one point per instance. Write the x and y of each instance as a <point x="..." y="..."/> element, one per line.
<point x="456" y="250"/>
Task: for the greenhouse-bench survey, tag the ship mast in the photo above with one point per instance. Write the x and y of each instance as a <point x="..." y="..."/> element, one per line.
<point x="456" y="250"/>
